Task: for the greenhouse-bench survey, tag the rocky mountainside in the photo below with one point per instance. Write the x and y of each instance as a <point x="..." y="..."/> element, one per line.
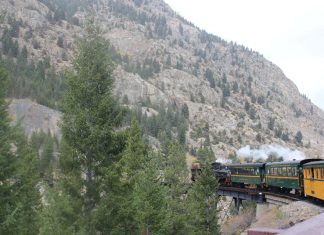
<point x="235" y="97"/>
<point x="34" y="117"/>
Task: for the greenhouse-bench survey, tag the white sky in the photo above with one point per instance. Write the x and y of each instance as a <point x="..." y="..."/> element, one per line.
<point x="290" y="33"/>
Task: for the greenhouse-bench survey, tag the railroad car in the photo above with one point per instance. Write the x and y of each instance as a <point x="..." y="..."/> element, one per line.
<point x="283" y="175"/>
<point x="314" y="179"/>
<point x="286" y="175"/>
<point x="250" y="174"/>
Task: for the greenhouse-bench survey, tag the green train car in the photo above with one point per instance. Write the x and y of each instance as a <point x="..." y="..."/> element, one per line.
<point x="285" y="175"/>
<point x="247" y="174"/>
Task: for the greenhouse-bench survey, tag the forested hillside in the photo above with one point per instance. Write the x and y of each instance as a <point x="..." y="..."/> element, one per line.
<point x="229" y="95"/>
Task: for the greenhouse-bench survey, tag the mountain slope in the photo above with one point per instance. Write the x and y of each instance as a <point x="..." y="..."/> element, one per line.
<point x="235" y="96"/>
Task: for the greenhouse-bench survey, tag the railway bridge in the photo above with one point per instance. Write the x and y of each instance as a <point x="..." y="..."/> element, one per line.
<point x="262" y="198"/>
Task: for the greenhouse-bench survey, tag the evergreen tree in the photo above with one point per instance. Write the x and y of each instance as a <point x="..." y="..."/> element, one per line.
<point x="205" y="155"/>
<point x="116" y="213"/>
<point x="19" y="196"/>
<point x="202" y="204"/>
<point x="7" y="160"/>
<point x="150" y="199"/>
<point x="176" y="176"/>
<point x="90" y="118"/>
<point x="209" y="75"/>
<point x="299" y="137"/>
<point x="137" y="201"/>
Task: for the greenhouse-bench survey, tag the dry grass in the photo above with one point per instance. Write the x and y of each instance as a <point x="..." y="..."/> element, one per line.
<point x="238" y="223"/>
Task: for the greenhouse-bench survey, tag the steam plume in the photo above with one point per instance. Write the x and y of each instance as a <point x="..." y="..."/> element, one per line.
<point x="267" y="150"/>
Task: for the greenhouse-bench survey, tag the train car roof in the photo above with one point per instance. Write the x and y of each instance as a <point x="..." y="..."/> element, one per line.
<point x="283" y="163"/>
<point x="314" y="163"/>
<point x="246" y="165"/>
<point x="295" y="162"/>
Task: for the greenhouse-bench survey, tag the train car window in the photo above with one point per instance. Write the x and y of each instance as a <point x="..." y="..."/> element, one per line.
<point x="312" y="173"/>
<point x="279" y="171"/>
<point x="289" y="171"/>
<point x="294" y="171"/>
<point x="243" y="171"/>
<point x="284" y="171"/>
<point x="275" y="170"/>
<point x="319" y="173"/>
<point x="322" y="173"/>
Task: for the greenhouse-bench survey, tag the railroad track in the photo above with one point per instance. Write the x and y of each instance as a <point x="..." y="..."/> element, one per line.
<point x="275" y="198"/>
<point x="280" y="199"/>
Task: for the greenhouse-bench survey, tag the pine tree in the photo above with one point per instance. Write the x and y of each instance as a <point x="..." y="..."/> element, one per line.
<point x="19" y="196"/>
<point x="7" y="160"/>
<point x="150" y="199"/>
<point x="176" y="176"/>
<point x="205" y="155"/>
<point x="136" y="203"/>
<point x="299" y="137"/>
<point x="116" y="213"/>
<point x="202" y="204"/>
<point x="91" y="116"/>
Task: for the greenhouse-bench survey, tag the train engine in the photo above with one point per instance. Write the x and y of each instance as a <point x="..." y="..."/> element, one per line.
<point x="220" y="170"/>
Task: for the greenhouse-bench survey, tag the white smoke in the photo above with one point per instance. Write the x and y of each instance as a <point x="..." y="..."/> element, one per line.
<point x="223" y="160"/>
<point x="267" y="150"/>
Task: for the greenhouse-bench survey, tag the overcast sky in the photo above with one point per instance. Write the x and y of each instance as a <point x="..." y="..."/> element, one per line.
<point x="290" y="33"/>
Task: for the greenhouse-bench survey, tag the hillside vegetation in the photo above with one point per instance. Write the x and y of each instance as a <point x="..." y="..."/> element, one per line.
<point x="229" y="95"/>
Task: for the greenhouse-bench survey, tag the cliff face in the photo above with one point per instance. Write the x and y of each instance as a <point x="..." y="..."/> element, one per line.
<point x="34" y="117"/>
<point x="235" y="96"/>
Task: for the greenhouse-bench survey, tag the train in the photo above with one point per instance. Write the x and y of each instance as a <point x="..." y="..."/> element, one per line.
<point x="300" y="177"/>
